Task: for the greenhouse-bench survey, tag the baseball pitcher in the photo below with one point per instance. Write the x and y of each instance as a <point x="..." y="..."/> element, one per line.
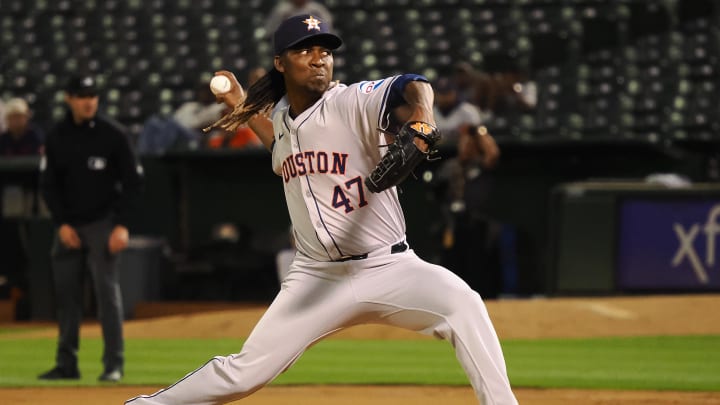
<point x="353" y="264"/>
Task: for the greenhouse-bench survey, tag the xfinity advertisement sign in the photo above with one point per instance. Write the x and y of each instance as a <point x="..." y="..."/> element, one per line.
<point x="669" y="244"/>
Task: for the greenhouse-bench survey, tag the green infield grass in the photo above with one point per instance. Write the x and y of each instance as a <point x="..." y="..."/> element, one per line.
<point x="657" y="363"/>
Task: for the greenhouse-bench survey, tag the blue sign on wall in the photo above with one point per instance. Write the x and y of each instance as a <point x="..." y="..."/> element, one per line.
<point x="669" y="244"/>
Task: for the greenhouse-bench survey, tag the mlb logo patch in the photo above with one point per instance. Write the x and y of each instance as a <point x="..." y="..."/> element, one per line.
<point x="97" y="163"/>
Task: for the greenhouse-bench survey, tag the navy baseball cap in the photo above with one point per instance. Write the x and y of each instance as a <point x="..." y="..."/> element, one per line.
<point x="300" y="28"/>
<point x="82" y="86"/>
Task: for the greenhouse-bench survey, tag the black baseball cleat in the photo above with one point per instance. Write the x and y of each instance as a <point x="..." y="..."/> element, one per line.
<point x="59" y="373"/>
<point x="114" y="375"/>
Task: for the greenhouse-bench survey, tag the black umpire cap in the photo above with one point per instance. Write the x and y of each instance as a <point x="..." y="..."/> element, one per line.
<point x="82" y="86"/>
<point x="301" y="27"/>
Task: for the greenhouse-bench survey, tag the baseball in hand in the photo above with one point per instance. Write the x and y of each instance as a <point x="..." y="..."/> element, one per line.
<point x="220" y="85"/>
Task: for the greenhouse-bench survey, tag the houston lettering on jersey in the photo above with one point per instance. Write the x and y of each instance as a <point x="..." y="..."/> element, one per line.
<point x="310" y="162"/>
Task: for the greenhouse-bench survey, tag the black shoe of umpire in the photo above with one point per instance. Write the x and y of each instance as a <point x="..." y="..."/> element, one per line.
<point x="111" y="376"/>
<point x="59" y="373"/>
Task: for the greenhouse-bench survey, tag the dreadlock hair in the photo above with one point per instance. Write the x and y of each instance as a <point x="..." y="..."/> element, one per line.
<point x="261" y="98"/>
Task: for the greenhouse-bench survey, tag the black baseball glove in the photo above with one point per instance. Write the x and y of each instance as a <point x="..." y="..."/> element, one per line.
<point x="403" y="156"/>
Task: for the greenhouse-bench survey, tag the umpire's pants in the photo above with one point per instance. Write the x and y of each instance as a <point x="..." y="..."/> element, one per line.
<point x="69" y="269"/>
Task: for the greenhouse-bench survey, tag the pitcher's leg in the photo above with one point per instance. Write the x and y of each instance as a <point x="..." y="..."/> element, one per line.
<point x="431" y="299"/>
<point x="308" y="307"/>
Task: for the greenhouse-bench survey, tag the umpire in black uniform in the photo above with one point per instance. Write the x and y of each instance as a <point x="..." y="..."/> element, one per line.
<point x="90" y="181"/>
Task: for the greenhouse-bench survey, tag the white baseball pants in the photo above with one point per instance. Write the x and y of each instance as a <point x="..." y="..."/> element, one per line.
<point x="319" y="298"/>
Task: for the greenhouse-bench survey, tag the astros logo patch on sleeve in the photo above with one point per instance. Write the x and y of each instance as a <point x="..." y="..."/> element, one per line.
<point x="369" y="87"/>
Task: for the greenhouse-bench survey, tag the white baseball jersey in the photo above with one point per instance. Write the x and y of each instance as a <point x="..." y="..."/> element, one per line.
<point x="324" y="171"/>
<point x="350" y="268"/>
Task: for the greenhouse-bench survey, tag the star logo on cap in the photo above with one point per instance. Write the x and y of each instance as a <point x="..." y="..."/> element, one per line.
<point x="312" y="23"/>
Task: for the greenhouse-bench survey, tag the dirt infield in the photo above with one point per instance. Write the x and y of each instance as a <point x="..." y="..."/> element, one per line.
<point x="368" y="395"/>
<point x="528" y="318"/>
